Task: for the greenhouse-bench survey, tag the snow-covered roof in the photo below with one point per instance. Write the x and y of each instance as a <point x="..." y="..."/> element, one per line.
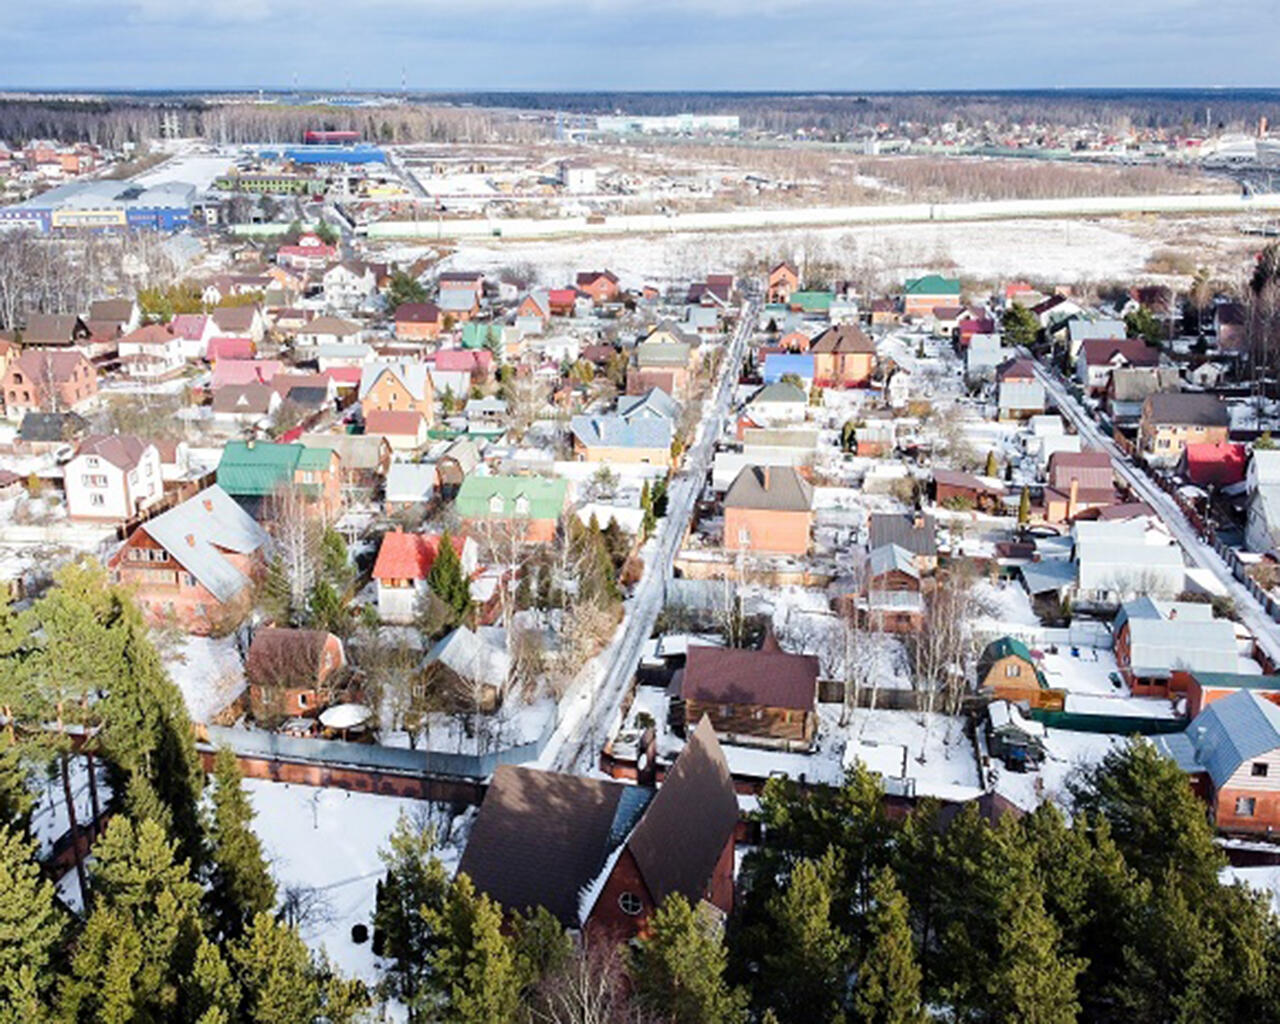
<point x="194" y="531"/>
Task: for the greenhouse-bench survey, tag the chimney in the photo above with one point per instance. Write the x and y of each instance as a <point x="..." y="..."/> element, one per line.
<point x="251" y="442"/>
<point x="764" y="477"/>
<point x="917" y="520"/>
<point x="191" y="540"/>
<point x="208" y="504"/>
<point x="1073" y="499"/>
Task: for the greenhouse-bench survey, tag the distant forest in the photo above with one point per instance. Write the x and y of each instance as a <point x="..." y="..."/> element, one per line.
<point x="505" y="116"/>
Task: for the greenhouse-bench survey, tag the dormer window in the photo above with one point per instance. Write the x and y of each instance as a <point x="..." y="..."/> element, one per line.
<point x="522" y="506"/>
<point x="495" y="504"/>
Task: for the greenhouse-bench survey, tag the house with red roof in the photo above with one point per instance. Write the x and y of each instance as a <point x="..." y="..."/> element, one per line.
<point x="1215" y="464"/>
<point x="783" y="280"/>
<point x="153" y="352"/>
<point x="244" y="371"/>
<point x="42" y="380"/>
<point x="478" y="362"/>
<point x="562" y="301"/>
<point x="229" y="348"/>
<point x="405" y="431"/>
<point x="403" y="564"/>
<point x="309" y="254"/>
<point x="195" y="330"/>
<point x="971" y="325"/>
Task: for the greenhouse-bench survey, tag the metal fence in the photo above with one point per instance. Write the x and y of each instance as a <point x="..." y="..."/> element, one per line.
<point x="307" y="750"/>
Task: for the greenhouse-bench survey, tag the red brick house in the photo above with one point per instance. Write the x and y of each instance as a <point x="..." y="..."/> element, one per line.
<point x="601" y="285"/>
<point x="1078" y="482"/>
<point x="843" y="357"/>
<point x="44" y="380"/>
<point x="418" y="321"/>
<point x="766" y="697"/>
<point x="783" y="280"/>
<point x="1203" y="688"/>
<point x="288" y="669"/>
<point x="768" y="510"/>
<point x="603" y="855"/>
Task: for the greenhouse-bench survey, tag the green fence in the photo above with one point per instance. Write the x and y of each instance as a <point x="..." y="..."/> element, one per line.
<point x="1125" y="725"/>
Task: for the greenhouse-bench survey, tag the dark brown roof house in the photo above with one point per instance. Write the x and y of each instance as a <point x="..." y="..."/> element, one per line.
<point x="51" y="330"/>
<point x="774" y="488"/>
<point x="602" y="855"/>
<point x="842" y="339"/>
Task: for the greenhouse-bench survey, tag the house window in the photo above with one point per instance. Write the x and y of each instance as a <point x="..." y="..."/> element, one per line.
<point x="302" y="700"/>
<point x="1244" y="806"/>
<point x="630" y="904"/>
<point x="97" y="499"/>
<point x="495" y="504"/>
<point x="1012" y="670"/>
<point x="1259" y="770"/>
<point x="188" y="579"/>
<point x="726" y="710"/>
<point x="522" y="506"/>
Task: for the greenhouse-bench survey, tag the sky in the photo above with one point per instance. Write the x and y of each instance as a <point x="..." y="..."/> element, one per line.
<point x="638" y="44"/>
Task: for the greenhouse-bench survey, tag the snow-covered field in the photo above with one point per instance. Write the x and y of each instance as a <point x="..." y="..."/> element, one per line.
<point x="328" y="840"/>
<point x="930" y="749"/>
<point x="1055" y="249"/>
<point x="1066" y="753"/>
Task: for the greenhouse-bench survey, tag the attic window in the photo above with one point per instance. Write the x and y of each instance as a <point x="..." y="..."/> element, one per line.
<point x="1259" y="770"/>
<point x="630" y="904"/>
<point x="495" y="503"/>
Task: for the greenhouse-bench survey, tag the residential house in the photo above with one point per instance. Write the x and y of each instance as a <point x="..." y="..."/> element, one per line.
<point x="661" y="365"/>
<point x="1128" y="388"/>
<point x="1008" y="671"/>
<point x="153" y="352"/>
<point x="1233" y="745"/>
<point x="811" y="303"/>
<point x="913" y="532"/>
<point x="892" y="598"/>
<point x="563" y="301"/>
<point x="244" y="371"/>
<point x="531" y="505"/>
<point x="1203" y="688"/>
<point x="885" y="313"/>
<point x="418" y="321"/>
<point x="784" y="279"/>
<point x="112" y="477"/>
<point x="462" y="280"/>
<point x="611" y="438"/>
<point x="245" y="406"/>
<point x="1154" y="640"/>
<point x="42" y="432"/>
<point x="55" y="330"/>
<point x="765" y="697"/>
<point x="1173" y="419"/>
<point x="457" y="305"/>
<point x="1080" y="331"/>
<point x="477" y="364"/>
<point x="398" y="386"/>
<point x="256" y="472"/>
<point x="228" y="348"/>
<point x="601" y="285"/>
<point x="652" y="404"/>
<point x="956" y="490"/>
<point x="403" y="564"/>
<point x="1215" y="465"/>
<point x="1099" y="358"/>
<point x="239" y="322"/>
<point x="922" y="294"/>
<point x="364" y="460"/>
<point x="774" y="405"/>
<point x="342" y="355"/>
<point x="768" y="510"/>
<point x="194" y="564"/>
<point x="410" y="487"/>
<point x="1118" y="559"/>
<point x="44" y="380"/>
<point x="328" y="330"/>
<point x="405" y="431"/>
<point x="983" y="357"/>
<point x="843" y="357"/>
<point x="1021" y="394"/>
<point x="536" y="308"/>
<point x="290" y="671"/>
<point x="472" y="670"/>
<point x="454" y="465"/>
<point x="349" y="284"/>
<point x="1078" y="482"/>
<point x="1262" y="518"/>
<point x="123" y="315"/>
<point x="195" y="331"/>
<point x="601" y="856"/>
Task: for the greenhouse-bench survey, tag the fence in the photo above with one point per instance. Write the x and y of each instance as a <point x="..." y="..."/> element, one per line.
<point x="1125" y="725"/>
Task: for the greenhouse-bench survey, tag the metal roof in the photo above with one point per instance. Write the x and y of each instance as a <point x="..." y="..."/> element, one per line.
<point x="613" y="431"/>
<point x="1233" y="730"/>
<point x="194" y="531"/>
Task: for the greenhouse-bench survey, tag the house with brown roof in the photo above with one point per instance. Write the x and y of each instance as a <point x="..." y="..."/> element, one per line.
<point x="601" y="285"/>
<point x="54" y="330"/>
<point x="600" y="855"/>
<point x="783" y="280"/>
<point x="238" y="406"/>
<point x="1173" y="419"/>
<point x="405" y="431"/>
<point x="1128" y="387"/>
<point x="153" y="352"/>
<point x="239" y="322"/>
<point x="914" y="532"/>
<point x="112" y="477"/>
<point x="765" y="697"/>
<point x="289" y="672"/>
<point x="843" y="357"/>
<point x="1100" y="357"/>
<point x="1078" y="482"/>
<point x="46" y="380"/>
<point x="418" y="321"/>
<point x="956" y="490"/>
<point x="768" y="510"/>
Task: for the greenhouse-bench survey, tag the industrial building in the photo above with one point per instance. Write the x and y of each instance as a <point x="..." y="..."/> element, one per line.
<point x="104" y="205"/>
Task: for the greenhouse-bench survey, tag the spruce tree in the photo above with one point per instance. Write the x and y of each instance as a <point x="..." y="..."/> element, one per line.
<point x="1024" y="507"/>
<point x="273" y="968"/>
<point x="542" y="945"/>
<point x="888" y="989"/>
<point x="212" y="994"/>
<point x="240" y="885"/>
<point x="474" y="966"/>
<point x="679" y="968"/>
<point x="993" y="465"/>
<point x="30" y="924"/>
<point x="803" y="975"/>
<point x="447" y="580"/>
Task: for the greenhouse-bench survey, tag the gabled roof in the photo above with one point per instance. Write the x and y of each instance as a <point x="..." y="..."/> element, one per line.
<point x="417" y="313"/>
<point x="471" y="657"/>
<point x="332" y="325"/>
<point x="285" y="657"/>
<point x="393" y="422"/>
<point x="234" y="318"/>
<point x="53" y="328"/>
<point x="772" y="488"/>
<point x="1185" y="409"/>
<point x="654" y="402"/>
<point x="657" y="353"/>
<point x="1134" y="383"/>
<point x="782" y="391"/>
<point x="257" y="468"/>
<point x="47" y="427"/>
<point x="891" y="558"/>
<point x="1129" y="351"/>
<point x="842" y="339"/>
<point x="773" y="678"/>
<point x="1081" y="330"/>
<point x="199" y="530"/>
<point x="45" y="366"/>
<point x="124" y="451"/>
<point x="357" y="451"/>
<point x="414" y="376"/>
<point x="614" y="431"/>
<point x="190" y="326"/>
<point x="545" y="497"/>
<point x="244" y="399"/>
<point x="410" y="556"/>
<point x="117" y="310"/>
<point x="409" y="481"/>
<point x="932" y="284"/>
<point x="1232" y="730"/>
<point x="899" y="528"/>
<point x="1007" y="647"/>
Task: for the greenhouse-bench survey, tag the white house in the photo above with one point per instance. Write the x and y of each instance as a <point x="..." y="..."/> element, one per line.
<point x="403" y="564"/>
<point x="1262" y="523"/>
<point x="1120" y="560"/>
<point x="349" y="284"/>
<point x="112" y="477"/>
<point x="238" y="322"/>
<point x="775" y="405"/>
<point x="153" y="352"/>
<point x="328" y="330"/>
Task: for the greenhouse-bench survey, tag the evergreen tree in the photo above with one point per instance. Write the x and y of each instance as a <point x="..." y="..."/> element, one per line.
<point x="888" y="990"/>
<point x="30" y="924"/>
<point x="335" y="562"/>
<point x="448" y="582"/>
<point x="649" y="520"/>
<point x="275" y="595"/>
<point x="1019" y="326"/>
<point x="542" y="945"/>
<point x="803" y="976"/>
<point x="1024" y="506"/>
<point x="137" y="950"/>
<point x="993" y="465"/>
<point x="275" y="974"/>
<point x="325" y="610"/>
<point x="1142" y="323"/>
<point x="679" y="968"/>
<point x="474" y="964"/>
<point x="240" y="886"/>
<point x="212" y="994"/>
<point x="659" y="496"/>
<point x="402" y="288"/>
<point x="415" y="880"/>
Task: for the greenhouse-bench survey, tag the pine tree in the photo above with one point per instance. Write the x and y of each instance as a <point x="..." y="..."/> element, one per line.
<point x="474" y="964"/>
<point x="888" y="990"/>
<point x="138" y="948"/>
<point x="542" y="945"/>
<point x="241" y="887"/>
<point x="415" y="879"/>
<point x="212" y="994"/>
<point x="679" y="968"/>
<point x="30" y="925"/>
<point x="326" y="611"/>
<point x="993" y="464"/>
<point x="275" y="595"/>
<point x="804" y="973"/>
<point x="447" y="580"/>
<point x="1024" y="507"/>
<point x="275" y="973"/>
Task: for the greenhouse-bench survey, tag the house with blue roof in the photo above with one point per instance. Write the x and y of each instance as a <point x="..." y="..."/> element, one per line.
<point x="783" y="364"/>
<point x="616" y="438"/>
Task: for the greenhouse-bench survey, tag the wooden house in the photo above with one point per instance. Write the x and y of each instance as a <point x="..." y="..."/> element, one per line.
<point x="766" y="696"/>
<point x="1007" y="671"/>
<point x="289" y="671"/>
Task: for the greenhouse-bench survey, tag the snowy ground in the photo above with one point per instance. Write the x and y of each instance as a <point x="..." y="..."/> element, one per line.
<point x="1264" y="878"/>
<point x="932" y="751"/>
<point x="208" y="672"/>
<point x="1066" y="754"/>
<point x="328" y="840"/>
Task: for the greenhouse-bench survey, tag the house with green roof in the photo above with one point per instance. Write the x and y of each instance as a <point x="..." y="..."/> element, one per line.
<point x="253" y="472"/>
<point x="1008" y="671"/>
<point x="480" y="335"/>
<point x="535" y="501"/>
<point x="922" y="294"/>
<point x="811" y="301"/>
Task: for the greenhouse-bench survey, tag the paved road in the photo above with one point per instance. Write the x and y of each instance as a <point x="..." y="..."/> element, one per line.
<point x="1251" y="613"/>
<point x="585" y="725"/>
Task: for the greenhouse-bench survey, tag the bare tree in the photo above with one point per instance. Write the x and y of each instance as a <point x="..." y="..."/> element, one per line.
<point x="592" y="988"/>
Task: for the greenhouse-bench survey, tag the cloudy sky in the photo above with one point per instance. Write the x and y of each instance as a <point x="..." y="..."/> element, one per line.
<point x="638" y="44"/>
